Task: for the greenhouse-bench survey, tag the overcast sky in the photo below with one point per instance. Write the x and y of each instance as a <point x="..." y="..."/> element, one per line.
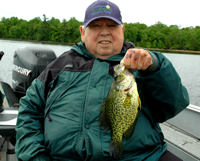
<point x="169" y="12"/>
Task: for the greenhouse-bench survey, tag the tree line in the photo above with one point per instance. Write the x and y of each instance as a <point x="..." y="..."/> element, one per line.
<point x="158" y="35"/>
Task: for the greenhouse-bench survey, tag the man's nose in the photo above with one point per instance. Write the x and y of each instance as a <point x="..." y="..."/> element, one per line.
<point x="105" y="31"/>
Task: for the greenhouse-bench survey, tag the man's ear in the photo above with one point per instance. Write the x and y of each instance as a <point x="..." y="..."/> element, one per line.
<point x="123" y="28"/>
<point x="82" y="31"/>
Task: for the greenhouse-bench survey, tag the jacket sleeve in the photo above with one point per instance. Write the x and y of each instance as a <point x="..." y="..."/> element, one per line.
<point x="161" y="91"/>
<point x="29" y="127"/>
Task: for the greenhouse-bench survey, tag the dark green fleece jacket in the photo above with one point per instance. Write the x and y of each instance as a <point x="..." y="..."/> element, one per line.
<point x="58" y="117"/>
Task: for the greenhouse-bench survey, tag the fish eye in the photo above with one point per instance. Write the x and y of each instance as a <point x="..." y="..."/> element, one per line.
<point x="115" y="76"/>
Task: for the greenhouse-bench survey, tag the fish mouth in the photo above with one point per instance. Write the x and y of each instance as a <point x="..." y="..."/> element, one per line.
<point x="128" y="89"/>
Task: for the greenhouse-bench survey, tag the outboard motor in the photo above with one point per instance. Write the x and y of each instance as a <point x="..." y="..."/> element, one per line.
<point x="1" y="94"/>
<point x="29" y="62"/>
<point x="1" y="101"/>
<point x="1" y="54"/>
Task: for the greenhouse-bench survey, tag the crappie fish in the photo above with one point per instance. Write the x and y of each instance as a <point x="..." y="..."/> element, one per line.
<point x="119" y="111"/>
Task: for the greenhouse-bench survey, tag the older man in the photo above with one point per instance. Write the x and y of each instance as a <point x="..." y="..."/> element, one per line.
<point x="58" y="117"/>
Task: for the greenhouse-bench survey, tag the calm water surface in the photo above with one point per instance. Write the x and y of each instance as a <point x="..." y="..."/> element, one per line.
<point x="188" y="66"/>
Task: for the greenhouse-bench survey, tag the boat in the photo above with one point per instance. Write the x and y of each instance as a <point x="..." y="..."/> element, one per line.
<point x="182" y="133"/>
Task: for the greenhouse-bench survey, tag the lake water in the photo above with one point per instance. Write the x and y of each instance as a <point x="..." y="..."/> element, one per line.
<point x="188" y="66"/>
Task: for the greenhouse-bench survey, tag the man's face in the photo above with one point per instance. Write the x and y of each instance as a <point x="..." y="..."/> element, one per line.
<point x="103" y="38"/>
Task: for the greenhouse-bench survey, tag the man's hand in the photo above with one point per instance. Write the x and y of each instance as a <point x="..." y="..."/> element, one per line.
<point x="139" y="59"/>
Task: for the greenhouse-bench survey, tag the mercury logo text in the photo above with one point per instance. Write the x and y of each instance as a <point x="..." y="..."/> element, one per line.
<point x="21" y="70"/>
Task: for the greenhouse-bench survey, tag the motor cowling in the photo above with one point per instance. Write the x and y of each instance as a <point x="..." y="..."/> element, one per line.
<point x="28" y="63"/>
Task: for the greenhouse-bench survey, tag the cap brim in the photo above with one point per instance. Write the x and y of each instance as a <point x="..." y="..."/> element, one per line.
<point x="114" y="19"/>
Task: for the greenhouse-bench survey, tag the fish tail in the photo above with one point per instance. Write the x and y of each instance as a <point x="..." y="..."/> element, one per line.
<point x="116" y="149"/>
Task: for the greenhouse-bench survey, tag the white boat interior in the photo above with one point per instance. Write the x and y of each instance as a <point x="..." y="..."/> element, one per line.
<point x="182" y="134"/>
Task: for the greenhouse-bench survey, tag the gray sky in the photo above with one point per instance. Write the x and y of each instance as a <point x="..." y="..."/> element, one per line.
<point x="169" y="12"/>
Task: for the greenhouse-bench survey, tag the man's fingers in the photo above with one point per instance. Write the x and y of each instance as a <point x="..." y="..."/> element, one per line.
<point x="137" y="59"/>
<point x="127" y="59"/>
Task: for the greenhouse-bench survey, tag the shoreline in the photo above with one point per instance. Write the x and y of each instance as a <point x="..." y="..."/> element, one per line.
<point x="70" y="44"/>
<point x="43" y="42"/>
<point x="175" y="51"/>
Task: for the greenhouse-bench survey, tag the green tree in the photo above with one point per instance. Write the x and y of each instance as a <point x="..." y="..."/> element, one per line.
<point x="44" y="30"/>
<point x="54" y="29"/>
<point x="195" y="40"/>
<point x="9" y="22"/>
<point x="167" y="41"/>
<point x="131" y="33"/>
<point x="33" y="27"/>
<point x="3" y="31"/>
<point x="73" y="30"/>
<point x="174" y="37"/>
<point x="15" y="32"/>
<point x="23" y="26"/>
<point x="64" y="34"/>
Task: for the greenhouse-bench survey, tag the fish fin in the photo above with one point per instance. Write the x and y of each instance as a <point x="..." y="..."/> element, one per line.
<point x="127" y="102"/>
<point x="116" y="149"/>
<point x="103" y="121"/>
<point x="139" y="102"/>
<point x="130" y="131"/>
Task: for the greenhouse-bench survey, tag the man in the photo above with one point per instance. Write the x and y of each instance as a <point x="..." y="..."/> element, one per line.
<point x="58" y="117"/>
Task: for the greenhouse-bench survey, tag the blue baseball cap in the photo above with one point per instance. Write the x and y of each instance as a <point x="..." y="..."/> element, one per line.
<point x="102" y="9"/>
